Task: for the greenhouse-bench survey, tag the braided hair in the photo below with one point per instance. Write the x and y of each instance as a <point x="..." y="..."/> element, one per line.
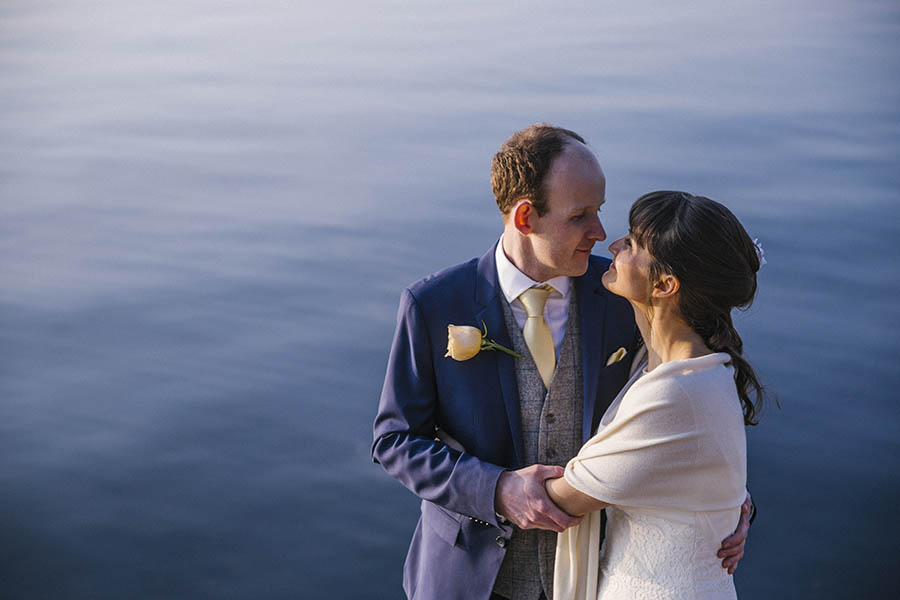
<point x="702" y="243"/>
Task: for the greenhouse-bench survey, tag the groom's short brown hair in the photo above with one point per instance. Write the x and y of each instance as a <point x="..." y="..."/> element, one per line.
<point x="523" y="161"/>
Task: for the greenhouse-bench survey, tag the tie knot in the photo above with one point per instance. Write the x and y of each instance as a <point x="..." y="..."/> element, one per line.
<point x="534" y="299"/>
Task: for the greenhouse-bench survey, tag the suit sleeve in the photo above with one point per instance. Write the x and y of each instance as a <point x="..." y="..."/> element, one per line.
<point x="405" y="424"/>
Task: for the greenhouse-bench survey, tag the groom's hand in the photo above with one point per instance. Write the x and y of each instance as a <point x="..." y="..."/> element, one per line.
<point x="732" y="549"/>
<point x="522" y="498"/>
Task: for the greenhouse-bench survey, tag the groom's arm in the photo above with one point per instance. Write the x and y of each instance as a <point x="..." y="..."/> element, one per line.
<point x="406" y="447"/>
<point x="523" y="497"/>
<point x="404" y="428"/>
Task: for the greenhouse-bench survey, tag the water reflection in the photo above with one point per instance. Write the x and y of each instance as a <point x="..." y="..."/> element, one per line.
<point x="209" y="211"/>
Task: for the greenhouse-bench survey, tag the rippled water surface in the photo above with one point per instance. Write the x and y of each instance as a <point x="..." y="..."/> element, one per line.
<point x="208" y="211"/>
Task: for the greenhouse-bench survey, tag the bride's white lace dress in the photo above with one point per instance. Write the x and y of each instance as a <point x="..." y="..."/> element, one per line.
<point x="670" y="455"/>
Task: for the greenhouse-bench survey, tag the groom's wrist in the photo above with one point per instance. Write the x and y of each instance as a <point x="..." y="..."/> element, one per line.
<point x="498" y="505"/>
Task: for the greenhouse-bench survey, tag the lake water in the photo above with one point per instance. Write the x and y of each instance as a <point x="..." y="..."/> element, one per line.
<point x="208" y="211"/>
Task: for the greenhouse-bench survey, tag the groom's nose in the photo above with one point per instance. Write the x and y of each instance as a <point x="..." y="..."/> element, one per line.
<point x="597" y="233"/>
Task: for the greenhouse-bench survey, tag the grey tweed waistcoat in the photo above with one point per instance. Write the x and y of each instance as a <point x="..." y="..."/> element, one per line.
<point x="551" y="432"/>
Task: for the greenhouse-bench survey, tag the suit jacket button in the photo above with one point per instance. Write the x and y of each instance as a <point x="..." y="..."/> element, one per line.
<point x="501" y="541"/>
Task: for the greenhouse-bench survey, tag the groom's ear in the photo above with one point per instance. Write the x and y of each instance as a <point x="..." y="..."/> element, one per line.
<point x="523" y="213"/>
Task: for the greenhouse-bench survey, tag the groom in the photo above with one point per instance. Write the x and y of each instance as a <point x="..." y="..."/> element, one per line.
<point x="488" y="528"/>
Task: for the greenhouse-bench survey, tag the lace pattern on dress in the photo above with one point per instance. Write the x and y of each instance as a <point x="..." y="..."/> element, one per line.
<point x="649" y="557"/>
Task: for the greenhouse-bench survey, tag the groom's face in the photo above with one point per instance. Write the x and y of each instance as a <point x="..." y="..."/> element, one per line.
<point x="562" y="238"/>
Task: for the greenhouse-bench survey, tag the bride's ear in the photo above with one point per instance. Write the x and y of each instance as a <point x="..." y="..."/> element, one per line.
<point x="523" y="213"/>
<point x="666" y="287"/>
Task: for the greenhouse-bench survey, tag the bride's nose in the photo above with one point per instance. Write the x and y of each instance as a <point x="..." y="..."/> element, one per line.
<point x="616" y="246"/>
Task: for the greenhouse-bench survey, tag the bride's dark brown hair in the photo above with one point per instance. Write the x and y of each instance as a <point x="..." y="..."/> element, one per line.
<point x="706" y="248"/>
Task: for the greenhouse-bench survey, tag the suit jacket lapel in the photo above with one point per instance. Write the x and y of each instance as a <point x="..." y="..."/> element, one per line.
<point x="591" y="308"/>
<point x="489" y="295"/>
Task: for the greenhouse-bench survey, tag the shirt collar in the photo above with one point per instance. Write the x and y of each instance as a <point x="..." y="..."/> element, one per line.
<point x="513" y="281"/>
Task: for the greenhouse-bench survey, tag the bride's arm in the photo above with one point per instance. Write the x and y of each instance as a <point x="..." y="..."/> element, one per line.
<point x="569" y="499"/>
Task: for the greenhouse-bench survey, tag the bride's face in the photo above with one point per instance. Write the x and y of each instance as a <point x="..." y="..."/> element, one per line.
<point x="629" y="274"/>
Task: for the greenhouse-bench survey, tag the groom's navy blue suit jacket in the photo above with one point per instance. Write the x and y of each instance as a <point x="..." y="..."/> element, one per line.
<point x="459" y="544"/>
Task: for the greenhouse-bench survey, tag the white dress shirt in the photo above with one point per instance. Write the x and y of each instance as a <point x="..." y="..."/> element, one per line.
<point x="513" y="282"/>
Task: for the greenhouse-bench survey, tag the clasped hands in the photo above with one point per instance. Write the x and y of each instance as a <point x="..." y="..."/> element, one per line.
<point x="521" y="497"/>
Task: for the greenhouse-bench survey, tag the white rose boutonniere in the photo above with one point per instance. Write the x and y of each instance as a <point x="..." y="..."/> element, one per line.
<point x="464" y="342"/>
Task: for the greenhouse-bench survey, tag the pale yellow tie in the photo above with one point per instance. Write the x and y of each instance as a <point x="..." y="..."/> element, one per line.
<point x="537" y="333"/>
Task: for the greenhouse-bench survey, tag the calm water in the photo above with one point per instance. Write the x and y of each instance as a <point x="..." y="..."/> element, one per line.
<point x="208" y="211"/>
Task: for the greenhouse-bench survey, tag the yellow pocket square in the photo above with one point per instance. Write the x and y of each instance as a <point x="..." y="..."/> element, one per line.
<point x="616" y="356"/>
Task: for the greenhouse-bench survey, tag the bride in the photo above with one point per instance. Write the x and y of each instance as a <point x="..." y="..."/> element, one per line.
<point x="669" y="457"/>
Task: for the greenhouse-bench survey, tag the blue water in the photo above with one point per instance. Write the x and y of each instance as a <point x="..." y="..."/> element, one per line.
<point x="208" y="211"/>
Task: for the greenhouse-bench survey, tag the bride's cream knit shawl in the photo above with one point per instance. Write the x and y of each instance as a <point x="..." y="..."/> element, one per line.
<point x="672" y="441"/>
